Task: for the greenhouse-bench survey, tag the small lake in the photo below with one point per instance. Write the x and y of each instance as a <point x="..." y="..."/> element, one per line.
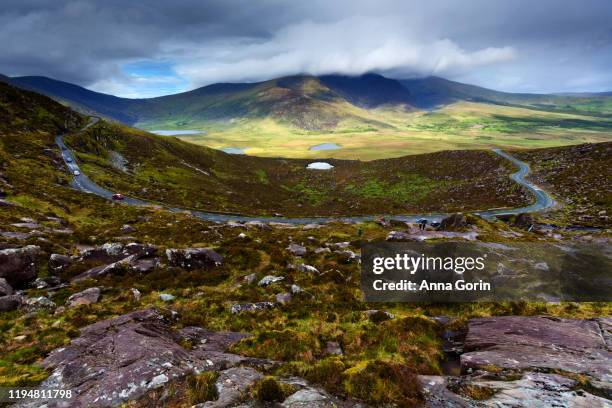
<point x="177" y="132"/>
<point x="319" y="166"/>
<point x="325" y="146"/>
<point x="234" y="150"/>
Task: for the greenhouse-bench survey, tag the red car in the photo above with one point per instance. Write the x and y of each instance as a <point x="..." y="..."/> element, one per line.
<point x="118" y="196"/>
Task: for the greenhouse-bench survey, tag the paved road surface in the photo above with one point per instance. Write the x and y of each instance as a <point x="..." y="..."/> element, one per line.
<point x="83" y="183"/>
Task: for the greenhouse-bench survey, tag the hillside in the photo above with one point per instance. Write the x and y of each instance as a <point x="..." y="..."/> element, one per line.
<point x="290" y="116"/>
<point x="123" y="303"/>
<point x="166" y="169"/>
<point x="581" y="176"/>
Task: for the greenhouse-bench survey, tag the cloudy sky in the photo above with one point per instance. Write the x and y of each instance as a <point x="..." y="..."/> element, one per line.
<point x="157" y="47"/>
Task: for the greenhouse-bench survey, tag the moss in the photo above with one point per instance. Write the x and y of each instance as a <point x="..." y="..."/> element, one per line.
<point x="377" y="382"/>
<point x="269" y="389"/>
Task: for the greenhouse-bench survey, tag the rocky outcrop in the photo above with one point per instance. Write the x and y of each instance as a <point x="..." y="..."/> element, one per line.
<point x="114" y="251"/>
<point x="515" y="361"/>
<point x="122" y="359"/>
<point x="19" y="265"/>
<point x="530" y="390"/>
<point x="135" y="257"/>
<point x="539" y="343"/>
<point x="193" y="258"/>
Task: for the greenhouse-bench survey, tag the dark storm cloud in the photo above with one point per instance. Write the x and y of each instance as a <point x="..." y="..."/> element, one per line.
<point x="521" y="45"/>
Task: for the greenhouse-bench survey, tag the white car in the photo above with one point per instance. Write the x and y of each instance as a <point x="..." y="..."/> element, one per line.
<point x="76" y="173"/>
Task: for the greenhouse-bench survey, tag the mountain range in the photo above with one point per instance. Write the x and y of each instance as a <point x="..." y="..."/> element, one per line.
<point x="307" y="102"/>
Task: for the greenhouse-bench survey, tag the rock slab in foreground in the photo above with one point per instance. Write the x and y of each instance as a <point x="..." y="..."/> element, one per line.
<point x="123" y="358"/>
<point x="540" y="343"/>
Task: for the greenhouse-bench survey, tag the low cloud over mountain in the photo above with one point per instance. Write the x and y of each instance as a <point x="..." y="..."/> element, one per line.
<point x="158" y="47"/>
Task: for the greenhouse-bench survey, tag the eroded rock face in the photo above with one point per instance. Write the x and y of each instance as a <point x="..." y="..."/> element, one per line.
<point x="193" y="258"/>
<point x="19" y="265"/>
<point x="539" y="343"/>
<point x="121" y="359"/>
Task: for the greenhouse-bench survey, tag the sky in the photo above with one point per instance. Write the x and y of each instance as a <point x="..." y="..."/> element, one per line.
<point x="158" y="47"/>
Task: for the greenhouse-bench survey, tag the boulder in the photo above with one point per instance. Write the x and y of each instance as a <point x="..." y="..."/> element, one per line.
<point x="115" y="251"/>
<point x="136" y="293"/>
<point x="5" y="288"/>
<point x="333" y="348"/>
<point x="454" y="222"/>
<point x="251" y="307"/>
<point x="269" y="280"/>
<point x="296" y="250"/>
<point x="307" y="269"/>
<point x="540" y="343"/>
<point x="19" y="265"/>
<point x="231" y="386"/>
<point x="10" y="302"/>
<point x="250" y="278"/>
<point x="145" y="265"/>
<point x="284" y="297"/>
<point x="86" y="297"/>
<point x="113" y="268"/>
<point x="398" y="236"/>
<point x="379" y="315"/>
<point x="57" y="262"/>
<point x="166" y="297"/>
<point x="38" y="303"/>
<point x="122" y="359"/>
<point x="46" y="282"/>
<point x="193" y="258"/>
<point x="127" y="229"/>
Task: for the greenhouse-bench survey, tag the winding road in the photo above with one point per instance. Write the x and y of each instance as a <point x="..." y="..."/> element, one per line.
<point x="83" y="183"/>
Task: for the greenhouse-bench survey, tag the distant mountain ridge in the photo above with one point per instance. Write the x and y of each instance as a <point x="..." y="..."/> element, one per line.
<point x="303" y="101"/>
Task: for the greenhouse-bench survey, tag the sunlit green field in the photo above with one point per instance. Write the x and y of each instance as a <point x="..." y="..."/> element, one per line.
<point x="386" y="133"/>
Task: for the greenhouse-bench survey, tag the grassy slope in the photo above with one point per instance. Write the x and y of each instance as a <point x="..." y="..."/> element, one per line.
<point x="166" y="169"/>
<point x="461" y="125"/>
<point x="580" y="177"/>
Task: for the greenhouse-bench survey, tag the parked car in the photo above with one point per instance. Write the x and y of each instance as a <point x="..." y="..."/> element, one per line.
<point x="76" y="173"/>
<point x="118" y="196"/>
